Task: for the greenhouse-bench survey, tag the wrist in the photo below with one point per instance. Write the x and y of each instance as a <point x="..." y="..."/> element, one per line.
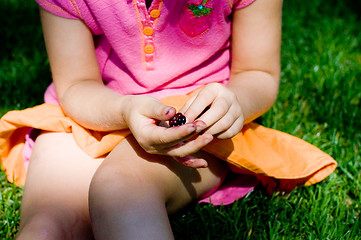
<point x="124" y="106"/>
<point x="256" y="92"/>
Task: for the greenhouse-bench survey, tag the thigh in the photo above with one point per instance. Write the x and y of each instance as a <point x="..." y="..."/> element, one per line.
<point x="58" y="181"/>
<point x="178" y="183"/>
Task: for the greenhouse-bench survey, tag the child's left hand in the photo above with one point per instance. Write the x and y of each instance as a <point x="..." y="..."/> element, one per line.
<point x="224" y="117"/>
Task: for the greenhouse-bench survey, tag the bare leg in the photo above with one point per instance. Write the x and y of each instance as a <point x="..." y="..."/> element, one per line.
<point x="133" y="192"/>
<point x="55" y="202"/>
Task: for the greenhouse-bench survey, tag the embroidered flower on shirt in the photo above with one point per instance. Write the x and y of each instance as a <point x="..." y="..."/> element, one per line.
<point x="199" y="10"/>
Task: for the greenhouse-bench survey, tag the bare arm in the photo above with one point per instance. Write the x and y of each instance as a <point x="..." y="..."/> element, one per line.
<point x="76" y="74"/>
<point x="256" y="47"/>
<point x="255" y="72"/>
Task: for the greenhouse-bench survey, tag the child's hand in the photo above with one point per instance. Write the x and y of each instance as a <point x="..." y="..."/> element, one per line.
<point x="224" y="117"/>
<point x="143" y="113"/>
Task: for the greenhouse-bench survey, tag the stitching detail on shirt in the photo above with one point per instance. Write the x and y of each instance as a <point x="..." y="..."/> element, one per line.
<point x="75" y="8"/>
<point x="142" y="40"/>
<point x="54" y="8"/>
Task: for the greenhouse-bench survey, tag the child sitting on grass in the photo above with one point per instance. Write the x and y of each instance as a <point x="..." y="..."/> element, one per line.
<point x="105" y="163"/>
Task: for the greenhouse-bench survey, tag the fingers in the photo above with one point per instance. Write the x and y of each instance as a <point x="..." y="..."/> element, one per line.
<point x="182" y="150"/>
<point x="223" y="118"/>
<point x="188" y="103"/>
<point x="154" y="137"/>
<point x="196" y="104"/>
<point x="192" y="161"/>
<point x="219" y="108"/>
<point x="178" y="148"/>
<point x="228" y="125"/>
<point x="231" y="131"/>
<point x="217" y="111"/>
<point x="190" y="147"/>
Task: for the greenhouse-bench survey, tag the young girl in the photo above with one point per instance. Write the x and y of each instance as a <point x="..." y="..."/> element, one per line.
<point x="119" y="70"/>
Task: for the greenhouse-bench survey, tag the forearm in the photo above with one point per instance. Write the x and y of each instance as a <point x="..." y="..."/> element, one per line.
<point x="256" y="92"/>
<point x="256" y="47"/>
<point x="94" y="106"/>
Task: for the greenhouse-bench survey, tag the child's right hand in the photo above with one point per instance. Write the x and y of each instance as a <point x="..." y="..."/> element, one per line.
<point x="142" y="115"/>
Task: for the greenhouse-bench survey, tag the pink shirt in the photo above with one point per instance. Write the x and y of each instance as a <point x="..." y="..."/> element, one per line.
<point x="165" y="50"/>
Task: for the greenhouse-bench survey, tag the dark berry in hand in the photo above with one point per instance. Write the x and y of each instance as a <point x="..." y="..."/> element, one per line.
<point x="178" y="120"/>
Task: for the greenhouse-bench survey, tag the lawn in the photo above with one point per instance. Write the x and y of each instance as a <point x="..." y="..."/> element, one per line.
<point x="319" y="101"/>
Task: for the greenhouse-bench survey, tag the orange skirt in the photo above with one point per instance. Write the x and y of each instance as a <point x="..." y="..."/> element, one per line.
<point x="278" y="160"/>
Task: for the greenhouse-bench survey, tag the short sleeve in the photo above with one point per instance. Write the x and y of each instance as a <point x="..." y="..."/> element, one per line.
<point x="62" y="8"/>
<point x="242" y="3"/>
<point x="73" y="9"/>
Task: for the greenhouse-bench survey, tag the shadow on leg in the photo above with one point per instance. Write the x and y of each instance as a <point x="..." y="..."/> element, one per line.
<point x="132" y="192"/>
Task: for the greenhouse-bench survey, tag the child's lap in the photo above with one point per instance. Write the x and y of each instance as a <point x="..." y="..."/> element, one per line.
<point x="60" y="171"/>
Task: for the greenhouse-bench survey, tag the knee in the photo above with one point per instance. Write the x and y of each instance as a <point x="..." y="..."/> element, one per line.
<point x="54" y="223"/>
<point x="106" y="181"/>
<point x="42" y="226"/>
<point x="119" y="185"/>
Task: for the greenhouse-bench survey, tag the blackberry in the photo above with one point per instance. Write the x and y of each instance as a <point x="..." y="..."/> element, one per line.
<point x="178" y="120"/>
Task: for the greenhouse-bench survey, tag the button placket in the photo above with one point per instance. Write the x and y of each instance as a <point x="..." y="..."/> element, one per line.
<point x="148" y="20"/>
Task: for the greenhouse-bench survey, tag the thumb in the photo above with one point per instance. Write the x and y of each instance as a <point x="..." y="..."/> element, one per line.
<point x="159" y="111"/>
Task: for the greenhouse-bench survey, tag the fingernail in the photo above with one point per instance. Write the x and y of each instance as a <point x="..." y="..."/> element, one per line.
<point x="167" y="110"/>
<point x="191" y="127"/>
<point x="186" y="160"/>
<point x="189" y="162"/>
<point x="200" y="126"/>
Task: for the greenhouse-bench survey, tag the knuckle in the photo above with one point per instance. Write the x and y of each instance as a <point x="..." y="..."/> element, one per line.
<point x="182" y="155"/>
<point x="162" y="139"/>
<point x="215" y="85"/>
<point x="224" y="106"/>
<point x="148" y="150"/>
<point x="175" y="153"/>
<point x="142" y="143"/>
<point x="146" y="147"/>
<point x="226" y="123"/>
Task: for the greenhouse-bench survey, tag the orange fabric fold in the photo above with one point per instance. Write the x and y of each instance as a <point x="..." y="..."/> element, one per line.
<point x="280" y="161"/>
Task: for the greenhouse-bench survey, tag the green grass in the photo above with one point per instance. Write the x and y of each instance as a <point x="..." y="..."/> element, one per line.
<point x="319" y="101"/>
<point x="24" y="71"/>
